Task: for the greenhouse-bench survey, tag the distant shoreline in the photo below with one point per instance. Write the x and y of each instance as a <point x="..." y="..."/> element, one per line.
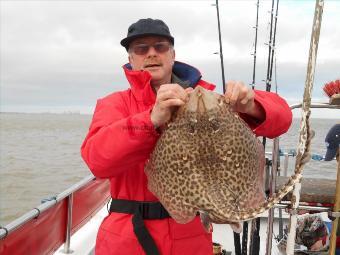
<point x="90" y="114"/>
<point x="50" y="113"/>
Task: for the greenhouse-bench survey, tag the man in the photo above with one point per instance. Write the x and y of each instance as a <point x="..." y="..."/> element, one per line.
<point x="125" y="129"/>
<point x="332" y="141"/>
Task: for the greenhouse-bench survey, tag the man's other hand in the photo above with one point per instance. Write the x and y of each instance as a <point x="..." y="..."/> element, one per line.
<point x="241" y="98"/>
<point x="169" y="97"/>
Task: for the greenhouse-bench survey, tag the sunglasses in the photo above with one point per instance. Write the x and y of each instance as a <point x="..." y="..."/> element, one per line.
<point x="142" y="49"/>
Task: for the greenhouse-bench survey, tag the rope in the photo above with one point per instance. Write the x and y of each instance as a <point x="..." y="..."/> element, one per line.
<point x="305" y="131"/>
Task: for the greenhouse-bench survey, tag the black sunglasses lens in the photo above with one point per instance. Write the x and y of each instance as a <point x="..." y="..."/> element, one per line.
<point x="141" y="49"/>
<point x="161" y="47"/>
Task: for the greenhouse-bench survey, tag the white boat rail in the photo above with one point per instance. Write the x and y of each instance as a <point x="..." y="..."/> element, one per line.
<point x="271" y="178"/>
<point x="84" y="186"/>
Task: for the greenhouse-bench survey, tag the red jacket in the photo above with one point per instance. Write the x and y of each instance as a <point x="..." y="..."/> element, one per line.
<point x="120" y="140"/>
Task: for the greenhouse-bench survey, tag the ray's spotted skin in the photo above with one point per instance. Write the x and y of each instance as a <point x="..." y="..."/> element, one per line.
<point x="208" y="160"/>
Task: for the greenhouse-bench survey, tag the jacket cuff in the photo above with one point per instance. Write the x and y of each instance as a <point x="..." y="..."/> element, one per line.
<point x="141" y="124"/>
<point x="278" y="116"/>
<point x="252" y="122"/>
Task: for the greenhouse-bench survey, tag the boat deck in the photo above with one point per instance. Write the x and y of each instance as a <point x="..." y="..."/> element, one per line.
<point x="223" y="235"/>
<point x="83" y="241"/>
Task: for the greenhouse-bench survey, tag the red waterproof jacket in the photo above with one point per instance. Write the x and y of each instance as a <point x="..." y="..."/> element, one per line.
<point x="120" y="140"/>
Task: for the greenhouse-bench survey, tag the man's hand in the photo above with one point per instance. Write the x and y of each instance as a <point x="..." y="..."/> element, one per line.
<point x="241" y="98"/>
<point x="169" y="96"/>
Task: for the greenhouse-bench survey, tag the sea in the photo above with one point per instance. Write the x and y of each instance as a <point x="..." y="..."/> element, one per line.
<point x="40" y="156"/>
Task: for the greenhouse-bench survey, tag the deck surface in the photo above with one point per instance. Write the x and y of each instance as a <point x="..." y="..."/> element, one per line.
<point x="223" y="234"/>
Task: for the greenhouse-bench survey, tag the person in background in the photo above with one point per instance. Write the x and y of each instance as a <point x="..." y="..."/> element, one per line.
<point x="126" y="126"/>
<point x="332" y="141"/>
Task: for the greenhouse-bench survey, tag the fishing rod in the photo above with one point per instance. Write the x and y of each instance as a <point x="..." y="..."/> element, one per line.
<point x="254" y="223"/>
<point x="237" y="241"/>
<point x="270" y="52"/>
<point x="270" y="230"/>
<point x="220" y="42"/>
<point x="255" y="240"/>
<point x="255" y="43"/>
<point x="273" y="48"/>
<point x="268" y="86"/>
<point x="275" y="164"/>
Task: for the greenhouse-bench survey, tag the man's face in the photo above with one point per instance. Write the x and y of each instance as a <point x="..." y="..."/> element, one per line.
<point x="154" y="54"/>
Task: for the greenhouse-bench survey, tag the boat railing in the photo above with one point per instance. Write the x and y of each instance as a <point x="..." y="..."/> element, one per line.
<point x="271" y="180"/>
<point x="46" y="204"/>
<point x="82" y="189"/>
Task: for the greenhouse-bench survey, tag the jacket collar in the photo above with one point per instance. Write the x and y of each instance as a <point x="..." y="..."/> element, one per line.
<point x="140" y="80"/>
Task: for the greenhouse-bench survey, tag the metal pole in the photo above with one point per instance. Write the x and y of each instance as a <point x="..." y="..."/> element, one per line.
<point x="304" y="207"/>
<point x="285" y="169"/>
<point x="275" y="159"/>
<point x="67" y="245"/>
<point x="244" y="245"/>
<point x="285" y="165"/>
<point x="332" y="245"/>
<point x="221" y="51"/>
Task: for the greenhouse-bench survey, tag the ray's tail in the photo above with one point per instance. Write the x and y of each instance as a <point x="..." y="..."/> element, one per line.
<point x="301" y="160"/>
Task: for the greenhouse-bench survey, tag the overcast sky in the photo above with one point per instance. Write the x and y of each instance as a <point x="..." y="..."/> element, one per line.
<point x="61" y="56"/>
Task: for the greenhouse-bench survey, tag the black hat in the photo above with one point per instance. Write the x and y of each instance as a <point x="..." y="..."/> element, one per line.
<point x="145" y="27"/>
<point x="332" y="142"/>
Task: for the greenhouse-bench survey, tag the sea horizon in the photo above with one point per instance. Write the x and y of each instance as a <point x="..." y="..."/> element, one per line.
<point x="323" y="114"/>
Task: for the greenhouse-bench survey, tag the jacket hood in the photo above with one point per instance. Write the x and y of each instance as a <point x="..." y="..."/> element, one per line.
<point x="140" y="80"/>
<point x="185" y="72"/>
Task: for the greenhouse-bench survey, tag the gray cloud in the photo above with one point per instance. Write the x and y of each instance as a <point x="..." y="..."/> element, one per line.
<point x="65" y="55"/>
